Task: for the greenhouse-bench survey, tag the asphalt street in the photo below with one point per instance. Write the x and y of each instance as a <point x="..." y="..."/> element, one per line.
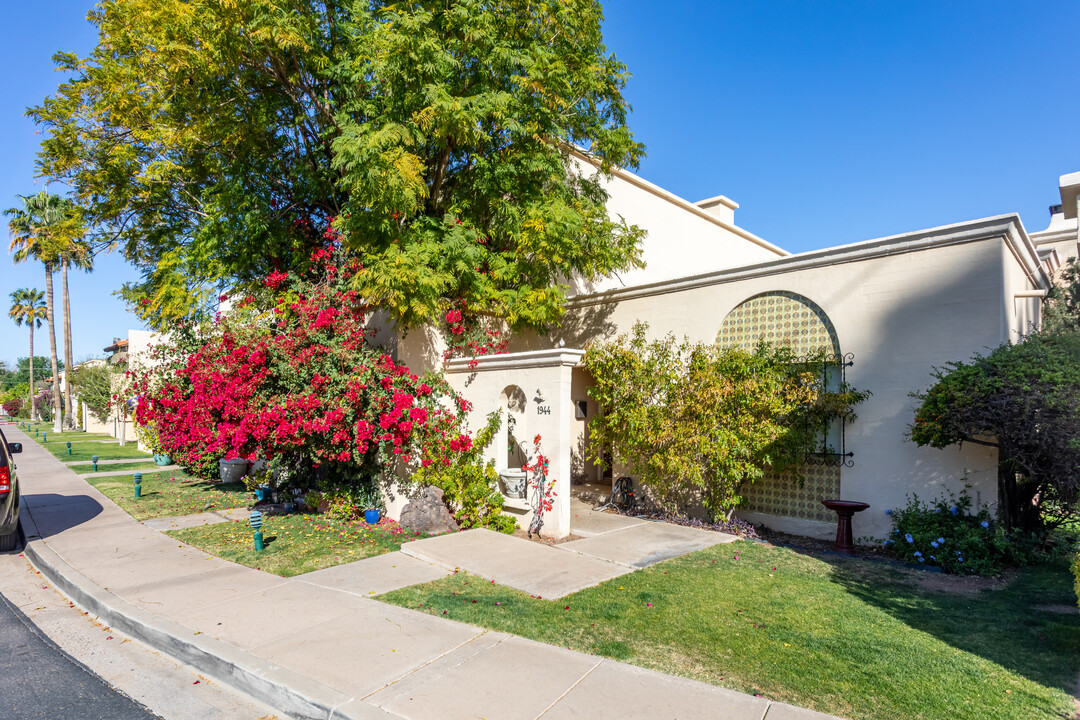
<point x="39" y="681"/>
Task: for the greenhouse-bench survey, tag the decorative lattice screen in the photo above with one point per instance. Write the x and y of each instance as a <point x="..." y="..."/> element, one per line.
<point x="783" y="495"/>
<point x="786" y="318"/>
<point x="783" y="318"/>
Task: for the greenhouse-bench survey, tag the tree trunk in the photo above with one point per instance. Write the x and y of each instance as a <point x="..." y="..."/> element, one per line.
<point x="50" y="311"/>
<point x="70" y="416"/>
<point x="1017" y="509"/>
<point x="33" y="407"/>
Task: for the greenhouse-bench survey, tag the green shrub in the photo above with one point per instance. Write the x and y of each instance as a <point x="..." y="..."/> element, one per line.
<point x="695" y="422"/>
<point x="349" y="501"/>
<point x="946" y="534"/>
<point x="1076" y="574"/>
<point x="470" y="486"/>
<point x="206" y="467"/>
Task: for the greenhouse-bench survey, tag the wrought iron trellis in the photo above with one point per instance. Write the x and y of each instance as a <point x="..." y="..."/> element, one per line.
<point x="829" y="456"/>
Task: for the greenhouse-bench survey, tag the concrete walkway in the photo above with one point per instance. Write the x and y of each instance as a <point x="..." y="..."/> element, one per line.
<point x="317" y="646"/>
<point x="164" y="524"/>
<point x="615" y="545"/>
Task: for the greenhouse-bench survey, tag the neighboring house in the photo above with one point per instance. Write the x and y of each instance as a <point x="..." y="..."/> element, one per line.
<point x="85" y="417"/>
<point x="893" y="308"/>
<point x="129" y="353"/>
<point x="118" y="351"/>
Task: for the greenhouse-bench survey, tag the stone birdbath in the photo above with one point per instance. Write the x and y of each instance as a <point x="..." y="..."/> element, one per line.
<point x="844" y="509"/>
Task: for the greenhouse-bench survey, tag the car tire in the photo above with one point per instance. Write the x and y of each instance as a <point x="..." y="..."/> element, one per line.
<point x="9" y="541"/>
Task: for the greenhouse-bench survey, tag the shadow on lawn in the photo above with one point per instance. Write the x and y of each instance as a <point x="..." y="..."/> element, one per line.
<point x="1011" y="622"/>
<point x="210" y="486"/>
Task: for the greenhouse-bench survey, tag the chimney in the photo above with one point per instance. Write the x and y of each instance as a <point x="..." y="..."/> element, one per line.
<point x="720" y="207"/>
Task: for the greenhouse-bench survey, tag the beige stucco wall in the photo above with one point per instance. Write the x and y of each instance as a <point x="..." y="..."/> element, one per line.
<point x="546" y="379"/>
<point x="902" y="306"/>
<point x="93" y="425"/>
<point x="683" y="239"/>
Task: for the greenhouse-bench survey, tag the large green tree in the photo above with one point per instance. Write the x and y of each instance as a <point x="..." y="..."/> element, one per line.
<point x="215" y="141"/>
<point x="1022" y="399"/>
<point x="28" y="306"/>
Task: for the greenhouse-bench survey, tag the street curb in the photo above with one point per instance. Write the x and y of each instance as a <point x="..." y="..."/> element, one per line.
<point x="298" y="696"/>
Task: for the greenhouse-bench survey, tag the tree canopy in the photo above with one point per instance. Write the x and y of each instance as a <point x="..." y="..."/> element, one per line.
<point x="218" y="142"/>
<point x="1022" y="399"/>
<point x="47" y="228"/>
<point x="1061" y="311"/>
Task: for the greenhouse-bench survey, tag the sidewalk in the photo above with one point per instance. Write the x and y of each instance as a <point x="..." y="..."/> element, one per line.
<point x="317" y="646"/>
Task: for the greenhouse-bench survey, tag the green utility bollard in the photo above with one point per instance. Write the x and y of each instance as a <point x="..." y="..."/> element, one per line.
<point x="138" y="485"/>
<point x="255" y="520"/>
<point x="69" y="447"/>
<point x="93" y="459"/>
<point x="44" y="437"/>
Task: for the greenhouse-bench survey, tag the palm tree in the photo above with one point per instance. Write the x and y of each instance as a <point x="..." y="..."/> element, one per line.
<point x="42" y="229"/>
<point x="78" y="255"/>
<point x="28" y="306"/>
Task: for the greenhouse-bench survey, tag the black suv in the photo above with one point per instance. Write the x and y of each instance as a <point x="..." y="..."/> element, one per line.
<point x="9" y="495"/>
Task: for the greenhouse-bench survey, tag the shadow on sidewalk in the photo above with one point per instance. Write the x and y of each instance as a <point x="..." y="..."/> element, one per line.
<point x="53" y="514"/>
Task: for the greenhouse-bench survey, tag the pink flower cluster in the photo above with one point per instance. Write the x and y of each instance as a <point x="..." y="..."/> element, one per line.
<point x="309" y="384"/>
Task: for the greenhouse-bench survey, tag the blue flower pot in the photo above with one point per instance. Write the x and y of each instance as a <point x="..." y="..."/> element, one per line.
<point x="372" y="516"/>
<point x="262" y="493"/>
<point x="162" y="459"/>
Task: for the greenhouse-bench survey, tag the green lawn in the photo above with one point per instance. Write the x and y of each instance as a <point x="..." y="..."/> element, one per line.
<point x="168" y="494"/>
<point x="72" y="435"/>
<point x="85" y="445"/>
<point x="855" y="638"/>
<point x="132" y="467"/>
<point x="297" y="544"/>
<point x="86" y="451"/>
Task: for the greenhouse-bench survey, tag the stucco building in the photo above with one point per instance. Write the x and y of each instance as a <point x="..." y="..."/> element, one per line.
<point x="892" y="308"/>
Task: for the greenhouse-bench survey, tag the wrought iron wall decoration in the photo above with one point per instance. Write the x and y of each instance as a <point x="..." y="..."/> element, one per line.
<point x="833" y="450"/>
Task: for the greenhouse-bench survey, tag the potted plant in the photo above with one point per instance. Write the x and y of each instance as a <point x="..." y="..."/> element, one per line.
<point x="231" y="471"/>
<point x="369" y="498"/>
<point x="315" y="501"/>
<point x="151" y="438"/>
<point x="259" y="485"/>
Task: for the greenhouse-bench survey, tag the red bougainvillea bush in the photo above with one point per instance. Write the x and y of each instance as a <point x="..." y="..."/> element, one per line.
<point x="290" y="377"/>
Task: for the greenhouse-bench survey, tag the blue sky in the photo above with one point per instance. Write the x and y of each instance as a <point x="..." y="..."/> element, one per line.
<point x="829" y="122"/>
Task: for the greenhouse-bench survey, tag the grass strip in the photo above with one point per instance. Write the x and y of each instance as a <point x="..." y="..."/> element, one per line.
<point x="168" y="494"/>
<point x="86" y="451"/>
<point x="130" y="468"/>
<point x="853" y="638"/>
<point x="297" y="544"/>
<point x="66" y="434"/>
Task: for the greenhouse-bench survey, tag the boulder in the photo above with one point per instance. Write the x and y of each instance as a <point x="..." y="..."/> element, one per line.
<point x="428" y="514"/>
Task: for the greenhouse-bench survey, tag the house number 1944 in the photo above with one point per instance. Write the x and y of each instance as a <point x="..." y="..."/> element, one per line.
<point x="543" y="410"/>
